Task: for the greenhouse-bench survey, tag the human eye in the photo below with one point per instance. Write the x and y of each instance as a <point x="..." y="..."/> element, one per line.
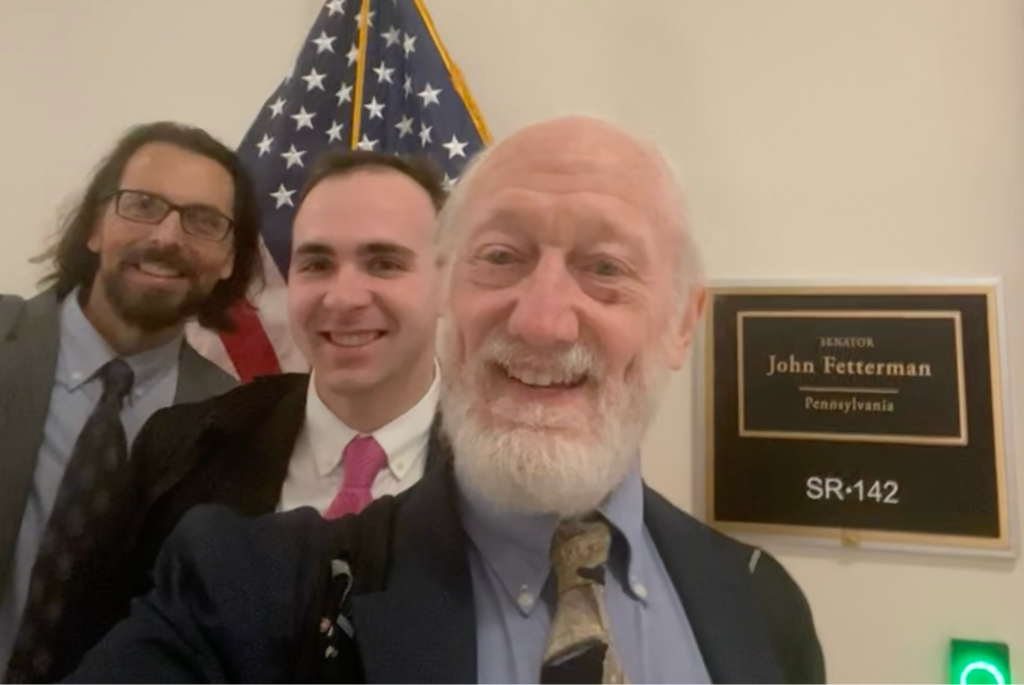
<point x="135" y="204"/>
<point x="144" y="201"/>
<point x="206" y="222"/>
<point x="384" y="265"/>
<point x="605" y="268"/>
<point x="499" y="256"/>
<point x="314" y="265"/>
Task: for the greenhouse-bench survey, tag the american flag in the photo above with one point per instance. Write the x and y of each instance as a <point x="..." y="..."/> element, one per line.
<point x="374" y="75"/>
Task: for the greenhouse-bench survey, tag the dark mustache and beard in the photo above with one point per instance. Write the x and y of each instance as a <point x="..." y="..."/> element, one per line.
<point x="154" y="309"/>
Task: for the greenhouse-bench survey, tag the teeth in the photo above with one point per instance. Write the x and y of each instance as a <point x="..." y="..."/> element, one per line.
<point x="158" y="270"/>
<point x="543" y="379"/>
<point x="353" y="339"/>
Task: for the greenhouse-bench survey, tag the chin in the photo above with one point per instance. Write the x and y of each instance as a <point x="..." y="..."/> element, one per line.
<point x="152" y="307"/>
<point x="534" y="461"/>
<point x="346" y="381"/>
<point x="531" y="472"/>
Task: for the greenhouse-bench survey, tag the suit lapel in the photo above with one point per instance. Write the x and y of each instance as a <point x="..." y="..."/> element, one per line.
<point x="422" y="627"/>
<point x="716" y="594"/>
<point x="255" y="463"/>
<point x="248" y="437"/>
<point x="28" y="362"/>
<point x="438" y="449"/>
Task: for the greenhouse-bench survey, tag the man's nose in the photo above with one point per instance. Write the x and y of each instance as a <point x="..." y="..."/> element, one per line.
<point x="169" y="231"/>
<point x="545" y="309"/>
<point x="348" y="289"/>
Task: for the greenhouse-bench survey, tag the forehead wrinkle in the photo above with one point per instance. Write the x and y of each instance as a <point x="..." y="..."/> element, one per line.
<point x="608" y="219"/>
<point x="637" y="182"/>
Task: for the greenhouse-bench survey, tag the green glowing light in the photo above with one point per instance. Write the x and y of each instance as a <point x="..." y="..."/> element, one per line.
<point x="975" y="663"/>
<point x="965" y="675"/>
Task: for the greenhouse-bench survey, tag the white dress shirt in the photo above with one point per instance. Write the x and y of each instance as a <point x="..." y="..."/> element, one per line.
<point x="316" y="471"/>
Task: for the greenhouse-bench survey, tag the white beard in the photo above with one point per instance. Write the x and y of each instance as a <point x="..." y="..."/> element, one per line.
<point x="535" y="459"/>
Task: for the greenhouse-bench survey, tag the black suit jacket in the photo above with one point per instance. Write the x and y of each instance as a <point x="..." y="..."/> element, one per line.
<point x="232" y="450"/>
<point x="233" y="600"/>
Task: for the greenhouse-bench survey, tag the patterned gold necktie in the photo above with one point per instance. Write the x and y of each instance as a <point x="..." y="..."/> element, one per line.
<point x="579" y="647"/>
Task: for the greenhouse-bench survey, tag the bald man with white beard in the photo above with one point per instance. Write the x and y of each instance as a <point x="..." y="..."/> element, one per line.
<point x="573" y="288"/>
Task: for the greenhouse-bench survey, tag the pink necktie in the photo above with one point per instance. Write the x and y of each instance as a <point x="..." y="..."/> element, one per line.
<point x="362" y="460"/>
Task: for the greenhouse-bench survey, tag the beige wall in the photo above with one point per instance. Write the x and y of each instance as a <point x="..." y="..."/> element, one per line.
<point x="818" y="138"/>
<point x="74" y="75"/>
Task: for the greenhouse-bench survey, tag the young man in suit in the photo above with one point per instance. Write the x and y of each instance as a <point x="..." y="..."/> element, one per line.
<point x="363" y="303"/>
<point x="572" y="288"/>
<point x="167" y="231"/>
<point x="363" y="300"/>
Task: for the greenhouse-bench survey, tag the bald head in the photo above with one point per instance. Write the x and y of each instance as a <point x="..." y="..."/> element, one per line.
<point x="583" y="154"/>
<point x="574" y="145"/>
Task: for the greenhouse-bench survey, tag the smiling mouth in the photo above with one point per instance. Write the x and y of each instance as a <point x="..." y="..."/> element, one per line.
<point x="352" y="340"/>
<point x="158" y="270"/>
<point x="556" y="379"/>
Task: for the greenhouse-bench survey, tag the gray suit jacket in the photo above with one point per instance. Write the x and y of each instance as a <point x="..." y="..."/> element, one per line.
<point x="29" y="344"/>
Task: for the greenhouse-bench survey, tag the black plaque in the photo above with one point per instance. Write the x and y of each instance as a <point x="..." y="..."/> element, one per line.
<point x="863" y="414"/>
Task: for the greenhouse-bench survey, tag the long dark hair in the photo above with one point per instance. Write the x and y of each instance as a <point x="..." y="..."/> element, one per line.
<point x="75" y="265"/>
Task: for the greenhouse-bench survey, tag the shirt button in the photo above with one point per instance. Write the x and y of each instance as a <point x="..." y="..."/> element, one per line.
<point x="525" y="599"/>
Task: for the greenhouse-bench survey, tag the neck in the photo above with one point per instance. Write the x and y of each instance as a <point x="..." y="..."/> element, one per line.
<point x="125" y="339"/>
<point x="368" y="411"/>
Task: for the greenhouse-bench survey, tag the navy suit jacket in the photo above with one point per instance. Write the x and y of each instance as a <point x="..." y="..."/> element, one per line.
<point x="233" y="599"/>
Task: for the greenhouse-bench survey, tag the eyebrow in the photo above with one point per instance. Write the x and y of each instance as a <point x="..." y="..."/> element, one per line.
<point x="511" y="220"/>
<point x="313" y="249"/>
<point x="387" y="249"/>
<point x="161" y="196"/>
<point x="378" y="248"/>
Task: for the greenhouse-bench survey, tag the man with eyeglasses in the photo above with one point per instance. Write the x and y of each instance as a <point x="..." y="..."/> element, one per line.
<point x="166" y="232"/>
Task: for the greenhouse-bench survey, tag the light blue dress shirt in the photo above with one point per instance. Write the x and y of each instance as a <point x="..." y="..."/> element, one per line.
<point x="76" y="392"/>
<point x="514" y="592"/>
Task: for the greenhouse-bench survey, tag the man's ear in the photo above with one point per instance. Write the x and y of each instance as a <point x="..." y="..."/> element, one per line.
<point x="680" y="336"/>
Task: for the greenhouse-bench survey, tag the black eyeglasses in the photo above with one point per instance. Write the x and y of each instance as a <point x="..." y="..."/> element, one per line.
<point x="196" y="220"/>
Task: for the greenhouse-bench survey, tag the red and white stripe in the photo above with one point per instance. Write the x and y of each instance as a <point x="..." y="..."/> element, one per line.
<point x="263" y="344"/>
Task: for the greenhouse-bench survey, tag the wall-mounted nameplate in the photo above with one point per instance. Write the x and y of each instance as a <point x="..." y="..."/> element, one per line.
<point x="857" y="413"/>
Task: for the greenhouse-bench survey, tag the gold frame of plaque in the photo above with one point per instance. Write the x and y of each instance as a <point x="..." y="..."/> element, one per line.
<point x="869" y="415"/>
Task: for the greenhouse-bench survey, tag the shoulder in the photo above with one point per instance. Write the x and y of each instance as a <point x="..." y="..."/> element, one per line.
<point x="777" y="596"/>
<point x="199" y="378"/>
<point x="10" y="301"/>
<point x="236" y="407"/>
<point x="770" y="578"/>
<point x="240" y="410"/>
<point x="14" y="309"/>
<point x="10" y="311"/>
<point x="662" y="512"/>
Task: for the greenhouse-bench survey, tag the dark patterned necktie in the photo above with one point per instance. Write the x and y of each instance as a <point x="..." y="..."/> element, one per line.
<point x="579" y="646"/>
<point x="90" y="483"/>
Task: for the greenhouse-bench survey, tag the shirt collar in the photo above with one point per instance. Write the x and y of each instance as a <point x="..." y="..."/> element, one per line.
<point x="517" y="546"/>
<point x="329" y="434"/>
<point x="83" y="352"/>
